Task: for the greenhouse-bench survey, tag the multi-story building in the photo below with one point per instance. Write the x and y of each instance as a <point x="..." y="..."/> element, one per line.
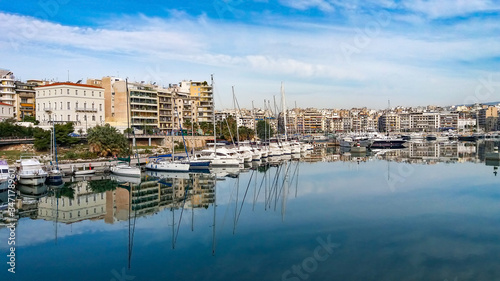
<point x="389" y="122"/>
<point x="312" y="120"/>
<point x="139" y="110"/>
<point x="69" y="102"/>
<point x="165" y="110"/>
<point x="7" y="87"/>
<point x="201" y="93"/>
<point x="448" y="121"/>
<point x="425" y="122"/>
<point x="25" y="98"/>
<point x="488" y="118"/>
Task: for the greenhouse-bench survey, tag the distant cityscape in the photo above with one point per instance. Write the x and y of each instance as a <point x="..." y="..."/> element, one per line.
<point x="154" y="109"/>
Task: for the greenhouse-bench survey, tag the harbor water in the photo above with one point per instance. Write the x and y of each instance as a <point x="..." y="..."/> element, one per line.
<point x="427" y="212"/>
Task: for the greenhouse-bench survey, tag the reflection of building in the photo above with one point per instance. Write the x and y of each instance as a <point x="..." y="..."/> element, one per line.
<point x="84" y="205"/>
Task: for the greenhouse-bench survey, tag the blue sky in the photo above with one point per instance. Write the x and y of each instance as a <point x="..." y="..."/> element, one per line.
<point x="328" y="53"/>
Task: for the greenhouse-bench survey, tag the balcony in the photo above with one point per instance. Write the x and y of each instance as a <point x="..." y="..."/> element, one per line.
<point x="48" y="109"/>
<point x="84" y="109"/>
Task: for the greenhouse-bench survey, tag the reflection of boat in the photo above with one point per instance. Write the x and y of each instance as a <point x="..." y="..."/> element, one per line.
<point x="125" y="179"/>
<point x="31" y="172"/>
<point x="4" y="171"/>
<point x="221" y="172"/>
<point x="388" y="143"/>
<point x="35" y="191"/>
<point x="166" y="174"/>
<point x="84" y="171"/>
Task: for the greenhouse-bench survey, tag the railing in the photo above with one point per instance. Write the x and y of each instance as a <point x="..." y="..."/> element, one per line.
<point x="84" y="109"/>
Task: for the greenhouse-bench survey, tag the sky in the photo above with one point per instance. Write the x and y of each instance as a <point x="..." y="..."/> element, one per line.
<point x="327" y="53"/>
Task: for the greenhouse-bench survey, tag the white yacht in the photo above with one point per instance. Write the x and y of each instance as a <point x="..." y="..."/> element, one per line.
<point x="31" y="171"/>
<point x="124" y="169"/>
<point x="162" y="164"/>
<point x="220" y="157"/>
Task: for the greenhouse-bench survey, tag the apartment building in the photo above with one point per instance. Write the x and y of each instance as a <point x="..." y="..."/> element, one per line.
<point x="7" y="87"/>
<point x="129" y="103"/>
<point x="70" y="102"/>
<point x="25" y="98"/>
<point x="488" y="118"/>
<point x="389" y="122"/>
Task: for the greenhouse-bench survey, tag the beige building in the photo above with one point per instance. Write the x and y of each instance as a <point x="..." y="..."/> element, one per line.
<point x="140" y="110"/>
<point x="25" y="98"/>
<point x="70" y="102"/>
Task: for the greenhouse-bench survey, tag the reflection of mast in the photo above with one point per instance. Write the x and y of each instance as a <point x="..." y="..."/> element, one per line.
<point x="215" y="207"/>
<point x="131" y="231"/>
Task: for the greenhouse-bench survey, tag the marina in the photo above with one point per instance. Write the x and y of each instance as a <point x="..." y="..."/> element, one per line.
<point x="263" y="217"/>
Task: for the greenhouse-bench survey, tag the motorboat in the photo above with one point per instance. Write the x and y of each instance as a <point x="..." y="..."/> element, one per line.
<point x="31" y="171"/>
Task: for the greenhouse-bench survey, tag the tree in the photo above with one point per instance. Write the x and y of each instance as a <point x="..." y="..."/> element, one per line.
<point x="63" y="137"/>
<point x="264" y="131"/>
<point x="10" y="130"/>
<point x="107" y="141"/>
<point x="63" y="134"/>
<point x="246" y="133"/>
<point x="207" y="128"/>
<point x="42" y="139"/>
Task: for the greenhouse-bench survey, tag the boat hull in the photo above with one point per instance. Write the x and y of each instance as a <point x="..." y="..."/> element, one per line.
<point x="32" y="180"/>
<point x="387" y="144"/>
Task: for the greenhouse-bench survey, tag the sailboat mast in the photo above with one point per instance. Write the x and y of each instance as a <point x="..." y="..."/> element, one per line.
<point x="128" y="112"/>
<point x="283" y="107"/>
<point x="236" y="115"/>
<point x="213" y="112"/>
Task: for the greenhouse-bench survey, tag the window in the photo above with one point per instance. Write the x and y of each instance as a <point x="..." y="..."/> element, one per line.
<point x="84" y="105"/>
<point x="84" y="117"/>
<point x="61" y="117"/>
<point x="100" y="94"/>
<point x="67" y="91"/>
<point x="38" y="106"/>
<point x="77" y="119"/>
<point x="100" y="118"/>
<point x="69" y="105"/>
<point x="69" y="117"/>
<point x="93" y="117"/>
<point x="61" y="105"/>
<point x="76" y="92"/>
<point x="92" y="93"/>
<point x="61" y="91"/>
<point x="76" y="105"/>
<point x="100" y="107"/>
<point x="84" y="93"/>
<point x="92" y="105"/>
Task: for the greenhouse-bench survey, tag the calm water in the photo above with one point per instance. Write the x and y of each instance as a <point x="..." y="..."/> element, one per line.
<point x="423" y="213"/>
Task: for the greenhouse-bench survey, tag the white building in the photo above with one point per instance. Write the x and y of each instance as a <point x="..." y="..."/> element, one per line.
<point x="7" y="87"/>
<point x="70" y="102"/>
<point x="6" y="111"/>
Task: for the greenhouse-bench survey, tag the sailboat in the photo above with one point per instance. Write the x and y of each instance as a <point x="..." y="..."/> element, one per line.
<point x="123" y="168"/>
<point x="218" y="156"/>
<point x="54" y="176"/>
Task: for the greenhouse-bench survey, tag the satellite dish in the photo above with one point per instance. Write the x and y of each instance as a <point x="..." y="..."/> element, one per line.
<point x="79" y="81"/>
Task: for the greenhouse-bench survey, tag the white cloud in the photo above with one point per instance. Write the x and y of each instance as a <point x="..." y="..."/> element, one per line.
<point x="450" y="8"/>
<point x="322" y="5"/>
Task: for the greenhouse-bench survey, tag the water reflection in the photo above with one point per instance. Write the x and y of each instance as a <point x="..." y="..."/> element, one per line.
<point x="259" y="220"/>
